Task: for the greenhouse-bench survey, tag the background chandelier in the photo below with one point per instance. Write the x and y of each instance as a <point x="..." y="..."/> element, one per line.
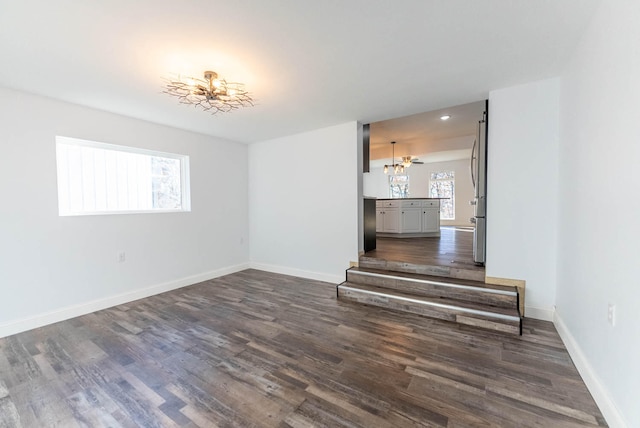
<point x="397" y="167"/>
<point x="211" y="93"/>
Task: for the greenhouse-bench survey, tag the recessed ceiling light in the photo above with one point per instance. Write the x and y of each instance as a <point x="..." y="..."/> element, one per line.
<point x="445" y="117"/>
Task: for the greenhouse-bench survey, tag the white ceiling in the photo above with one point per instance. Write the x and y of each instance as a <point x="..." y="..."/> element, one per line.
<point x="426" y="136"/>
<point x="308" y="63"/>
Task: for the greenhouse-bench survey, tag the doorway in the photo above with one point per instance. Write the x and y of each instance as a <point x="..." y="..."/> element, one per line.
<point x="435" y="151"/>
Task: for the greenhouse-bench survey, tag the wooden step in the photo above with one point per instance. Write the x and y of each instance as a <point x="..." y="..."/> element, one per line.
<point x="432" y="270"/>
<point x="477" y="315"/>
<point x="430" y="286"/>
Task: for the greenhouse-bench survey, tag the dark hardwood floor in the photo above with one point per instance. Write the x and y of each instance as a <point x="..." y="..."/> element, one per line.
<point x="256" y="349"/>
<point x="454" y="248"/>
<point x="450" y="255"/>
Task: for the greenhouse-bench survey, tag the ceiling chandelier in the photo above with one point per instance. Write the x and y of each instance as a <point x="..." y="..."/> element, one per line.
<point x="211" y="93"/>
<point x="397" y="167"/>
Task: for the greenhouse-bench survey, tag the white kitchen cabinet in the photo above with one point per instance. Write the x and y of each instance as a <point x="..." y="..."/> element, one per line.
<point x="430" y="220"/>
<point x="388" y="216"/>
<point x="407" y="218"/>
<point x="391" y="221"/>
<point x="431" y="216"/>
<point x="410" y="216"/>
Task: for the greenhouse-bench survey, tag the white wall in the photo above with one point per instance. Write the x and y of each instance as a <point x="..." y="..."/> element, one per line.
<point x="376" y="183"/>
<point x="303" y="203"/>
<point x="522" y="190"/>
<point x="54" y="267"/>
<point x="599" y="233"/>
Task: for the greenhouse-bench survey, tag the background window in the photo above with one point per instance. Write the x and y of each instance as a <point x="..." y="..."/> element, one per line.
<point x="98" y="178"/>
<point x="442" y="185"/>
<point x="398" y="186"/>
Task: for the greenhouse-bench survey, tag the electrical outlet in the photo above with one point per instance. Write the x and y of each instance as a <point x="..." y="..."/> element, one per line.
<point x="121" y="257"/>
<point x="611" y="317"/>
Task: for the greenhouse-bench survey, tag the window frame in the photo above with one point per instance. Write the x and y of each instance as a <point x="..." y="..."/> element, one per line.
<point x="405" y="179"/>
<point x="452" y="179"/>
<point x="185" y="188"/>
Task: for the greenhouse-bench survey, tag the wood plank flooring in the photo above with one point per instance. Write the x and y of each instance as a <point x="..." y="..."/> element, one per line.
<point x="256" y="349"/>
<point x="454" y="248"/>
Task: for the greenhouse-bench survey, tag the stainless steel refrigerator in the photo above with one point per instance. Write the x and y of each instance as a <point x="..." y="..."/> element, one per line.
<point x="479" y="180"/>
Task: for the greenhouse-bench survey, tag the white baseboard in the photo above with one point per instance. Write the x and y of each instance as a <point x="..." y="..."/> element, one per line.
<point x="318" y="276"/>
<point x="40" y="320"/>
<point x="596" y="388"/>
<point x="544" y="314"/>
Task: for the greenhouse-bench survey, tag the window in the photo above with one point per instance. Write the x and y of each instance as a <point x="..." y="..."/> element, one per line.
<point x="442" y="185"/>
<point x="398" y="186"/>
<point x="98" y="178"/>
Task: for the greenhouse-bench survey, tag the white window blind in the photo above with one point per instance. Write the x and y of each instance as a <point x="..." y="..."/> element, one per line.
<point x="98" y="178"/>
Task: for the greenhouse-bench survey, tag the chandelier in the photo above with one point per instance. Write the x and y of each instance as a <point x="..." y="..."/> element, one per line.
<point x="397" y="167"/>
<point x="211" y="93"/>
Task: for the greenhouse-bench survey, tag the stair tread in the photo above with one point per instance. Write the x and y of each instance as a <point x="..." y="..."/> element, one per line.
<point x="438" y="300"/>
<point x="447" y="280"/>
<point x="423" y="269"/>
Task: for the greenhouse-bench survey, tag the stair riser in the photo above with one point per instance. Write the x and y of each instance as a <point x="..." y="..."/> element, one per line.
<point x="474" y="295"/>
<point x="444" y="271"/>
<point x="447" y="314"/>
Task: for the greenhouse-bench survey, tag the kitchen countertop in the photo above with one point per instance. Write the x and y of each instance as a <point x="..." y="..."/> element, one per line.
<point x="401" y="199"/>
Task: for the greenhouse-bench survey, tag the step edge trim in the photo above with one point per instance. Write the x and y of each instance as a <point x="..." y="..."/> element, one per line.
<point x="438" y="305"/>
<point x="445" y="284"/>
